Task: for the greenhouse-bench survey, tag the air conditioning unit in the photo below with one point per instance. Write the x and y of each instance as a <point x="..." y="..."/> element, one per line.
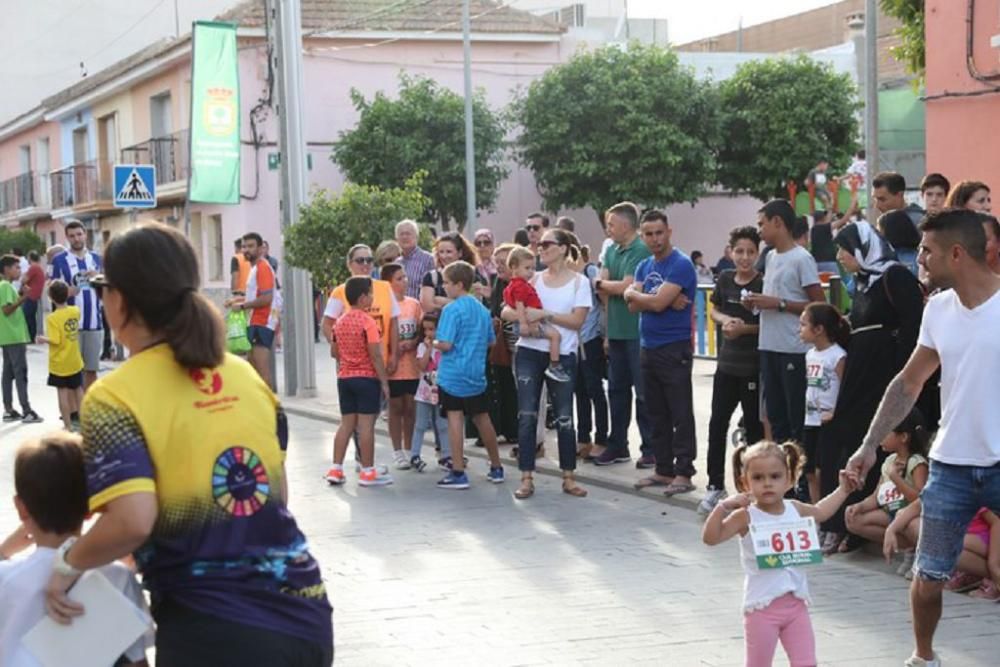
<point x="572" y="16"/>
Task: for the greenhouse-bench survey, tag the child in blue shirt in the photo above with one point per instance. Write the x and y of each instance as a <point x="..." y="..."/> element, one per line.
<point x="464" y="334"/>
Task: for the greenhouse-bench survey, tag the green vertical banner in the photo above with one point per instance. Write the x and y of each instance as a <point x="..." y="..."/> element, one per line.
<point x="215" y="115"/>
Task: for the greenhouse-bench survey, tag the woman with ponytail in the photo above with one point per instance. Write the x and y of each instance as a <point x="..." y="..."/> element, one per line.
<point x="565" y="298"/>
<point x="184" y="453"/>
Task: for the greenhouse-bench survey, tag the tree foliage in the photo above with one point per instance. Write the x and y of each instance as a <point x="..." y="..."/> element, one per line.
<point x="22" y="239"/>
<point x="780" y="117"/>
<point x="330" y="224"/>
<point x="424" y="129"/>
<point x="911" y="50"/>
<point x="616" y="124"/>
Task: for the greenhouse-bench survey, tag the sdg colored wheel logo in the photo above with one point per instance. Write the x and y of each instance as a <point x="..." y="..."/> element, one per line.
<point x="239" y="482"/>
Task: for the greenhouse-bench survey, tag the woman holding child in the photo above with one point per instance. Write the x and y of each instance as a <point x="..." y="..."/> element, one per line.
<point x="565" y="298"/>
<point x="184" y="452"/>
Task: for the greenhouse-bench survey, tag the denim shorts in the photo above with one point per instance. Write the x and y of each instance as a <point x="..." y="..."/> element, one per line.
<point x="260" y="336"/>
<point x="951" y="498"/>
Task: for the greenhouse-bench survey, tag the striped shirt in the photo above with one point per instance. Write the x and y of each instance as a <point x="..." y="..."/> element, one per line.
<point x="416" y="265"/>
<point x="72" y="269"/>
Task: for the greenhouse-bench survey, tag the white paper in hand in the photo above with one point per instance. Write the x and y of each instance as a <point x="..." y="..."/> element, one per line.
<point x="109" y="625"/>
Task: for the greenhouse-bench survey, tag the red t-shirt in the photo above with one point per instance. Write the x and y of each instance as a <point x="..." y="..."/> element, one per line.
<point x="34" y="278"/>
<point x="521" y="290"/>
<point x="354" y="332"/>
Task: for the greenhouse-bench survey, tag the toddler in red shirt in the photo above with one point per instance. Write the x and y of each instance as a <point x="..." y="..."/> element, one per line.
<point x="520" y="295"/>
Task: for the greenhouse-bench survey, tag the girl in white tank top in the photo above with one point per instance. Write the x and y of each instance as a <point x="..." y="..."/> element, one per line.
<point x="777" y="537"/>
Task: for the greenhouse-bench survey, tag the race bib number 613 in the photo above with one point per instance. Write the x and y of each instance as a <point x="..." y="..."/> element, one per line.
<point x="786" y="544"/>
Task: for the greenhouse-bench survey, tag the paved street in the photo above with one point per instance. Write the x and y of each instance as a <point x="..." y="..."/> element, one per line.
<point x="420" y="576"/>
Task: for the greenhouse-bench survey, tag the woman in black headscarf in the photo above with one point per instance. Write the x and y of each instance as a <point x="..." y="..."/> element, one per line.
<point x="885" y="318"/>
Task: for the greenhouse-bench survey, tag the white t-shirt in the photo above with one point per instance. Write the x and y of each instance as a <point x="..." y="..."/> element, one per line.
<point x="969" y="348"/>
<point x="560" y="300"/>
<point x="22" y="603"/>
<point x="822" y="382"/>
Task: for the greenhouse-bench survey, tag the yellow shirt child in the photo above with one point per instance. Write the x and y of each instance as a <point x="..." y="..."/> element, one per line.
<point x="64" y="349"/>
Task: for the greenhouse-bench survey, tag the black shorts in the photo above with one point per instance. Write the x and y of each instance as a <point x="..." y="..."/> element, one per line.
<point x="260" y="336"/>
<point x="74" y="381"/>
<point x="189" y="638"/>
<point x="359" y="396"/>
<point x="810" y="444"/>
<point x="399" y="388"/>
<point x="470" y="405"/>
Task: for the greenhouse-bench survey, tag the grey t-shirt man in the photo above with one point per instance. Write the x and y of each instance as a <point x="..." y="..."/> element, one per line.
<point x="786" y="275"/>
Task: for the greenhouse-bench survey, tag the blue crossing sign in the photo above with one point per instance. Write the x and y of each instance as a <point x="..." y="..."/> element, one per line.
<point x="135" y="186"/>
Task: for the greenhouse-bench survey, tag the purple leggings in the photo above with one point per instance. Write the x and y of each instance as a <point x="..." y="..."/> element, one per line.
<point x="787" y="619"/>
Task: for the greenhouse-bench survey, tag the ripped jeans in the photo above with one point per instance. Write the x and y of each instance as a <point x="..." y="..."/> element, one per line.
<point x="529" y="372"/>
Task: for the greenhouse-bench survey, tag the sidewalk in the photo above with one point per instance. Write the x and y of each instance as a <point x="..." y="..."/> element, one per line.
<point x="618" y="477"/>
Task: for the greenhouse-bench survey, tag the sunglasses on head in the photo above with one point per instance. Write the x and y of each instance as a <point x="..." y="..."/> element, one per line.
<point x="363" y="260"/>
<point x="99" y="282"/>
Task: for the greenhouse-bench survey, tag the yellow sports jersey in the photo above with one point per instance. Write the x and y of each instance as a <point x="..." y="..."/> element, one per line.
<point x="209" y="443"/>
<point x="64" y="348"/>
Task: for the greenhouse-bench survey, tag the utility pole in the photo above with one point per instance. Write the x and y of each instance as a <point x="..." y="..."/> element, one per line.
<point x="871" y="99"/>
<point x="470" y="148"/>
<point x="300" y="359"/>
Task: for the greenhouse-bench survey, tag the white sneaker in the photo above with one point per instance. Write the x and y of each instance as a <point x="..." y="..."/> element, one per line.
<point x="907" y="564"/>
<point x="712" y="498"/>
<point x="400" y="460"/>
<point x="916" y="661"/>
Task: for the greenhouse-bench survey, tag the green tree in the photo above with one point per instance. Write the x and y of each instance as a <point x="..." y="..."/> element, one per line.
<point x="424" y="129"/>
<point x="22" y="239"/>
<point x="330" y="224"/>
<point x="780" y="117"/>
<point x="911" y="49"/>
<point x="616" y="124"/>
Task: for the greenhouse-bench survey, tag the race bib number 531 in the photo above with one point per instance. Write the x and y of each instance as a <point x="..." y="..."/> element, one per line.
<point x="787" y="544"/>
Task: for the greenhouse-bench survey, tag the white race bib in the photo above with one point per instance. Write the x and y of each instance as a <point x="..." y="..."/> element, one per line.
<point x="890" y="497"/>
<point x="786" y="544"/>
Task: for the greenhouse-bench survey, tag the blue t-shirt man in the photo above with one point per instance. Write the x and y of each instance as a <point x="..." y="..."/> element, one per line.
<point x="466" y="324"/>
<point x="669" y="325"/>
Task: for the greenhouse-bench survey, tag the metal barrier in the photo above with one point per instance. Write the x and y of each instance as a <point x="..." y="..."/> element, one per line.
<point x="706" y="333"/>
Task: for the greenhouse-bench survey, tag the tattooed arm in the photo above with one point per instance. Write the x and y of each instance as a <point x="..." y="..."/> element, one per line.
<point x="899" y="398"/>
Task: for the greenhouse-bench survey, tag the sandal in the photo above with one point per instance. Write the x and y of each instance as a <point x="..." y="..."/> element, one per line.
<point x="573" y="489"/>
<point x="676" y="488"/>
<point x="648" y="482"/>
<point x="850" y="543"/>
<point x="527" y="488"/>
<point x="583" y="450"/>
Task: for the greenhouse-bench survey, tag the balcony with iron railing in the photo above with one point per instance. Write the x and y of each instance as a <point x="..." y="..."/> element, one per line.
<point x="24" y="196"/>
<point x="169" y="154"/>
<point x="85" y="185"/>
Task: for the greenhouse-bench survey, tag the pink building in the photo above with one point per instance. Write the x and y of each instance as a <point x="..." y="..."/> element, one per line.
<point x="136" y="111"/>
<point x="963" y="90"/>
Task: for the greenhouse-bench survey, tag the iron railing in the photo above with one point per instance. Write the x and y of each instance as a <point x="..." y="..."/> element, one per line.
<point x="82" y="184"/>
<point x="168" y="154"/>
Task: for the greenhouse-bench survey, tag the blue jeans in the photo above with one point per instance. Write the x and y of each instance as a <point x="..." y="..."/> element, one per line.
<point x="624" y="373"/>
<point x="428" y="418"/>
<point x="590" y="392"/>
<point x="784" y="377"/>
<point x="950" y="499"/>
<point x="529" y="370"/>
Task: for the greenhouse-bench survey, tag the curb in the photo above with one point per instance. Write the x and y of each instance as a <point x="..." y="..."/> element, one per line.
<point x="687" y="501"/>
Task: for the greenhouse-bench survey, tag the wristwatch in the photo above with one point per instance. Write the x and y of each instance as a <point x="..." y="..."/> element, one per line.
<point x="782" y="305"/>
<point x="59" y="565"/>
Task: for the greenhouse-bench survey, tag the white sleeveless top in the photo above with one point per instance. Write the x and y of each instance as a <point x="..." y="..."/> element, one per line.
<point x="762" y="587"/>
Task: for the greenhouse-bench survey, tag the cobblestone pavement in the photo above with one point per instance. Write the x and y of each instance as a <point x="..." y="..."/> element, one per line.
<point x="420" y="576"/>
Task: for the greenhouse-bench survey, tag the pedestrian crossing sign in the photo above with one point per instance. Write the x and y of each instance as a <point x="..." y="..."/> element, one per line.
<point x="135" y="186"/>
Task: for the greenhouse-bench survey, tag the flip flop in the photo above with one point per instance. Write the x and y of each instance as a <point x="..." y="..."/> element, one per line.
<point x="649" y="482"/>
<point x="676" y="488"/>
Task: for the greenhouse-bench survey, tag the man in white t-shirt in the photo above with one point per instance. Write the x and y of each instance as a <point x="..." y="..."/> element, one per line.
<point x="958" y="333"/>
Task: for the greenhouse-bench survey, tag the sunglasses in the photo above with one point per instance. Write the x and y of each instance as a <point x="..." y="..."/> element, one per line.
<point x="533" y="228"/>
<point x="548" y="244"/>
<point x="363" y="260"/>
<point x="99" y="282"/>
<point x="483" y="244"/>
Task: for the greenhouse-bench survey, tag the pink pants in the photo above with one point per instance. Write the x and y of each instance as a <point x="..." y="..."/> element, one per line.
<point x="787" y="619"/>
